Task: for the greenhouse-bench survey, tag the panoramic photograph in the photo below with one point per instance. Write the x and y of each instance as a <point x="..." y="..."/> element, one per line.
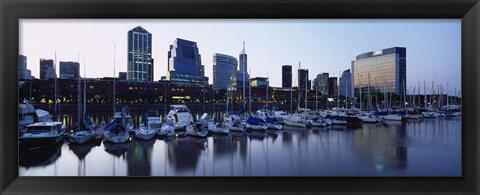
<point x="240" y="97"/>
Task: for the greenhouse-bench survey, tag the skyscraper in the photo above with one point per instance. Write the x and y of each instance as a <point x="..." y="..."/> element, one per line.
<point x="332" y="87"/>
<point x="69" y="70"/>
<point x="320" y="83"/>
<point x="346" y="84"/>
<point x="224" y="71"/>
<point x="23" y="72"/>
<point x="47" y="70"/>
<point x="242" y="73"/>
<point x="185" y="63"/>
<point x="303" y="79"/>
<point x="286" y="76"/>
<point x="386" y="68"/>
<point x="140" y="62"/>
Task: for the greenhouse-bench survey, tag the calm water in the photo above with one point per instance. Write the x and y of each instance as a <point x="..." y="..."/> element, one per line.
<point x="429" y="147"/>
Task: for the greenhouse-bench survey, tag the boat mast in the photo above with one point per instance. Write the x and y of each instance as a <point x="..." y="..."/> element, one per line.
<point x="114" y="100"/>
<point x="56" y="84"/>
<point x="369" y="103"/>
<point x="338" y="89"/>
<point x="243" y="73"/>
<point x="299" y="87"/>
<point x="79" y="100"/>
<point x="266" y="96"/>
<point x="84" y="88"/>
<point x="306" y="89"/>
<point x="360" y="92"/>
<point x="249" y="94"/>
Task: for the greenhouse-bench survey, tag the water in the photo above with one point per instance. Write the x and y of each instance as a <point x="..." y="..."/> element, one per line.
<point x="428" y="147"/>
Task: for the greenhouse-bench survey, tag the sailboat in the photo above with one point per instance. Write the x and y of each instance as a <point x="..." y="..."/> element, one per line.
<point x="146" y="130"/>
<point x="85" y="130"/>
<point x="116" y="131"/>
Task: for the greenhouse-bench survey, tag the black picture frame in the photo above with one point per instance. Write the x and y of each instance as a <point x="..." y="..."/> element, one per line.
<point x="11" y="11"/>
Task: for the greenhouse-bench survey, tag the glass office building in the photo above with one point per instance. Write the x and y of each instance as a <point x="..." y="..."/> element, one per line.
<point x="69" y="70"/>
<point x="140" y="62"/>
<point x="224" y="71"/>
<point x="23" y="72"/>
<point x="346" y="84"/>
<point x="185" y="63"/>
<point x="383" y="69"/>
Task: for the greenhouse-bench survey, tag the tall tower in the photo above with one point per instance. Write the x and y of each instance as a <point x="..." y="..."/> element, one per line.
<point x="140" y="62"/>
<point x="242" y="73"/>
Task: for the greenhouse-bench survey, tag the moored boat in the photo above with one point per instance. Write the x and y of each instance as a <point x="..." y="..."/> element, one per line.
<point x="41" y="135"/>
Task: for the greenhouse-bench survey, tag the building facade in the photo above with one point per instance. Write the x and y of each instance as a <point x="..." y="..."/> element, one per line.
<point x="224" y="71"/>
<point x="383" y="69"/>
<point x="346" y="88"/>
<point x="47" y="69"/>
<point x="69" y="70"/>
<point x="303" y="79"/>
<point x="259" y="82"/>
<point x="23" y="72"/>
<point x="332" y="88"/>
<point x="242" y="72"/>
<point x="185" y="63"/>
<point x="287" y="76"/>
<point x="140" y="61"/>
<point x="320" y="83"/>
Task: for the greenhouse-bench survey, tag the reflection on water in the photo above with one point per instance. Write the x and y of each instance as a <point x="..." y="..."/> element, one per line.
<point x="429" y="147"/>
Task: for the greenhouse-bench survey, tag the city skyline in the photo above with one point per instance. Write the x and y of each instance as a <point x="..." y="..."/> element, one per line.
<point x="433" y="46"/>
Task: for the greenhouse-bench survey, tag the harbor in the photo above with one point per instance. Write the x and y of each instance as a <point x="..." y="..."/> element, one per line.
<point x="195" y="106"/>
<point x="425" y="147"/>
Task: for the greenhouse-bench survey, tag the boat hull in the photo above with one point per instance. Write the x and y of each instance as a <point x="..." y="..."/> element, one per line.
<point x="82" y="137"/>
<point x="31" y="143"/>
<point x="116" y="138"/>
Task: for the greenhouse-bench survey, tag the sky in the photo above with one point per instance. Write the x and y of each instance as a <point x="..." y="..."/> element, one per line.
<point x="321" y="45"/>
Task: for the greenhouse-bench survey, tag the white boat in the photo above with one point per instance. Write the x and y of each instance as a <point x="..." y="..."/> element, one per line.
<point x="392" y="117"/>
<point x="218" y="128"/>
<point x="167" y="129"/>
<point x="115" y="133"/>
<point x="335" y="122"/>
<point x="254" y="123"/>
<point x="295" y="120"/>
<point x="316" y="123"/>
<point x="124" y="119"/>
<point x="368" y="118"/>
<point x="82" y="136"/>
<point x="41" y="134"/>
<point x="153" y="120"/>
<point x="181" y="116"/>
<point x="234" y="123"/>
<point x="196" y="131"/>
<point x="145" y="132"/>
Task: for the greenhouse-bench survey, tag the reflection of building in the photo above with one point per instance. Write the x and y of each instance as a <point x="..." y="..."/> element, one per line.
<point x="346" y="84"/>
<point x="139" y="157"/>
<point x="184" y="153"/>
<point x="382" y="67"/>
<point x="224" y="68"/>
<point x="69" y="70"/>
<point x="140" y="62"/>
<point x="47" y="70"/>
<point x="23" y="72"/>
<point x="259" y="82"/>
<point x="185" y="63"/>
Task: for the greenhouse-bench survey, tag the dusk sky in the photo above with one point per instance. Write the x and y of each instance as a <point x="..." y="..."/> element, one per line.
<point x="433" y="46"/>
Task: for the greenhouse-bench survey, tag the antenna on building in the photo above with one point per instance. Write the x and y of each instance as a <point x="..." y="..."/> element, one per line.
<point x="243" y="46"/>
